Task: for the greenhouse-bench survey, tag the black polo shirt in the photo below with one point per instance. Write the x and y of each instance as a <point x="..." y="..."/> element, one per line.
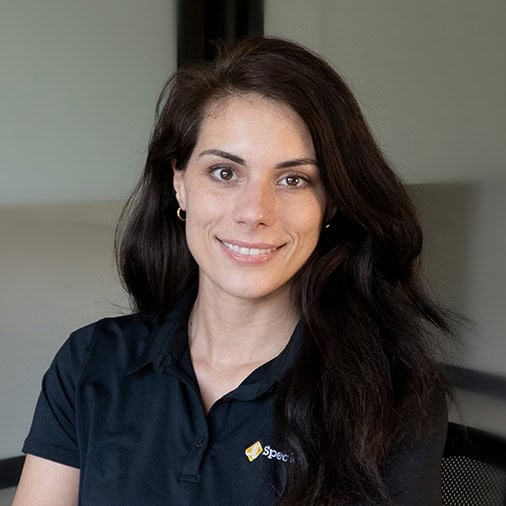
<point x="121" y="403"/>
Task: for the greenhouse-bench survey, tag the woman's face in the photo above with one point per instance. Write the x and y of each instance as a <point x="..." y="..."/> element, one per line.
<point x="253" y="197"/>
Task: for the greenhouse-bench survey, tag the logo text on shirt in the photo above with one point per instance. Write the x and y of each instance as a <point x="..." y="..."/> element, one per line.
<point x="256" y="449"/>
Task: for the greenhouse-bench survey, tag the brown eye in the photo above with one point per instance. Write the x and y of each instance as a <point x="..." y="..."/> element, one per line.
<point x="225" y="174"/>
<point x="292" y="180"/>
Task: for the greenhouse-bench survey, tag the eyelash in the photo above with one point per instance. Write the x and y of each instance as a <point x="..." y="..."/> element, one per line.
<point x="303" y="178"/>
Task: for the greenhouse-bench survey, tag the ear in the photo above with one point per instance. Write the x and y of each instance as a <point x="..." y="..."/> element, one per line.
<point x="178" y="183"/>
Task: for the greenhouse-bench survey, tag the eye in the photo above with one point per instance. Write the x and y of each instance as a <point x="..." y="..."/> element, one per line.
<point x="223" y="174"/>
<point x="294" y="181"/>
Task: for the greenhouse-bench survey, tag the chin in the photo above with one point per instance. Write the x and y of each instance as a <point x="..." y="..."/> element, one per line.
<point x="252" y="292"/>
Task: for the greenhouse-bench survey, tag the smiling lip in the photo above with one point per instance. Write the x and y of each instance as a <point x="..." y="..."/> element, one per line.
<point x="252" y="253"/>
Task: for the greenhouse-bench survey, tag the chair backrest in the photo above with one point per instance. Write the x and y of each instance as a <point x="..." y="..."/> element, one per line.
<point x="473" y="468"/>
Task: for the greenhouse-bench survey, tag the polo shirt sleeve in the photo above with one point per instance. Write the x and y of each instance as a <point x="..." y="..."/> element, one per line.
<point x="53" y="433"/>
<point x="413" y="473"/>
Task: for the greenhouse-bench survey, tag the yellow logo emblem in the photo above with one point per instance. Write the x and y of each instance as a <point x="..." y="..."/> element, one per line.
<point x="254" y="451"/>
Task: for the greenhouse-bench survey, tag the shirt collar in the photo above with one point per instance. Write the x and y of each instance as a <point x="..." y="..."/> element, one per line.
<point x="169" y="338"/>
<point x="265" y="378"/>
<point x="169" y="341"/>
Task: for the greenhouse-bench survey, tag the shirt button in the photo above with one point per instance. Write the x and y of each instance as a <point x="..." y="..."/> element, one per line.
<point x="200" y="442"/>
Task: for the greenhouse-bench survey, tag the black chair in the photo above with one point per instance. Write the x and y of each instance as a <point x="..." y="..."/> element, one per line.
<point x="10" y="471"/>
<point x="473" y="468"/>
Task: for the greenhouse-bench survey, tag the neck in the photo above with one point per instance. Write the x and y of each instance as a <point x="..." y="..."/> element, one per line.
<point x="228" y="330"/>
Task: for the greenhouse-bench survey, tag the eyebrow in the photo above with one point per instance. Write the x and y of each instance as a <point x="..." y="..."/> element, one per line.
<point x="237" y="159"/>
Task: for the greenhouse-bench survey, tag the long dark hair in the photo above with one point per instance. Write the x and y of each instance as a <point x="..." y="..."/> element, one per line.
<point x="367" y="367"/>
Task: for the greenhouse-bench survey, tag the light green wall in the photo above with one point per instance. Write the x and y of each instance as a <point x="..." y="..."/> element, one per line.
<point x="78" y="85"/>
<point x="430" y="76"/>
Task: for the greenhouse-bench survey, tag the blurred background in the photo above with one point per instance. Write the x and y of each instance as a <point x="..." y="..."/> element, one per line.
<point x="78" y="86"/>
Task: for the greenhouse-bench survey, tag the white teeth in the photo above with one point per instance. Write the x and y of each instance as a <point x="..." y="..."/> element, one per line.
<point x="247" y="251"/>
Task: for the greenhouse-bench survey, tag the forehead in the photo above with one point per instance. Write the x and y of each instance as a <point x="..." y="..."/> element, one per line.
<point x="220" y="106"/>
<point x="237" y="113"/>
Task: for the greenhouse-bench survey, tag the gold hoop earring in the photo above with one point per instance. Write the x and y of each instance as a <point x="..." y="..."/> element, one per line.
<point x="179" y="215"/>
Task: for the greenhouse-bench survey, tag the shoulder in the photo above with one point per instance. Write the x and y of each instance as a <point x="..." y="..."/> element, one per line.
<point x="119" y="339"/>
<point x="124" y="344"/>
<point x="135" y="326"/>
<point x="132" y="327"/>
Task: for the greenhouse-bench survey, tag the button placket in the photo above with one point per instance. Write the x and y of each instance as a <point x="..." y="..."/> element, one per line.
<point x="191" y="466"/>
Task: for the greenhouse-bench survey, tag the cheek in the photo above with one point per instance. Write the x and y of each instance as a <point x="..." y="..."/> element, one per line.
<point x="306" y="224"/>
<point x="310" y="240"/>
<point x="202" y="214"/>
<point x="205" y="208"/>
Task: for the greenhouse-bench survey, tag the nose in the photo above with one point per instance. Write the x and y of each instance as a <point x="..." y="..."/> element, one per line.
<point x="256" y="204"/>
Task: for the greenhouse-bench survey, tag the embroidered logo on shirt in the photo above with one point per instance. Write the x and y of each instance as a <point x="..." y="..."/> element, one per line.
<point x="256" y="449"/>
<point x="253" y="451"/>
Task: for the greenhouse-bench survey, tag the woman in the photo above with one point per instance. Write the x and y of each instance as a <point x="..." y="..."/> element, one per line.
<point x="281" y="351"/>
